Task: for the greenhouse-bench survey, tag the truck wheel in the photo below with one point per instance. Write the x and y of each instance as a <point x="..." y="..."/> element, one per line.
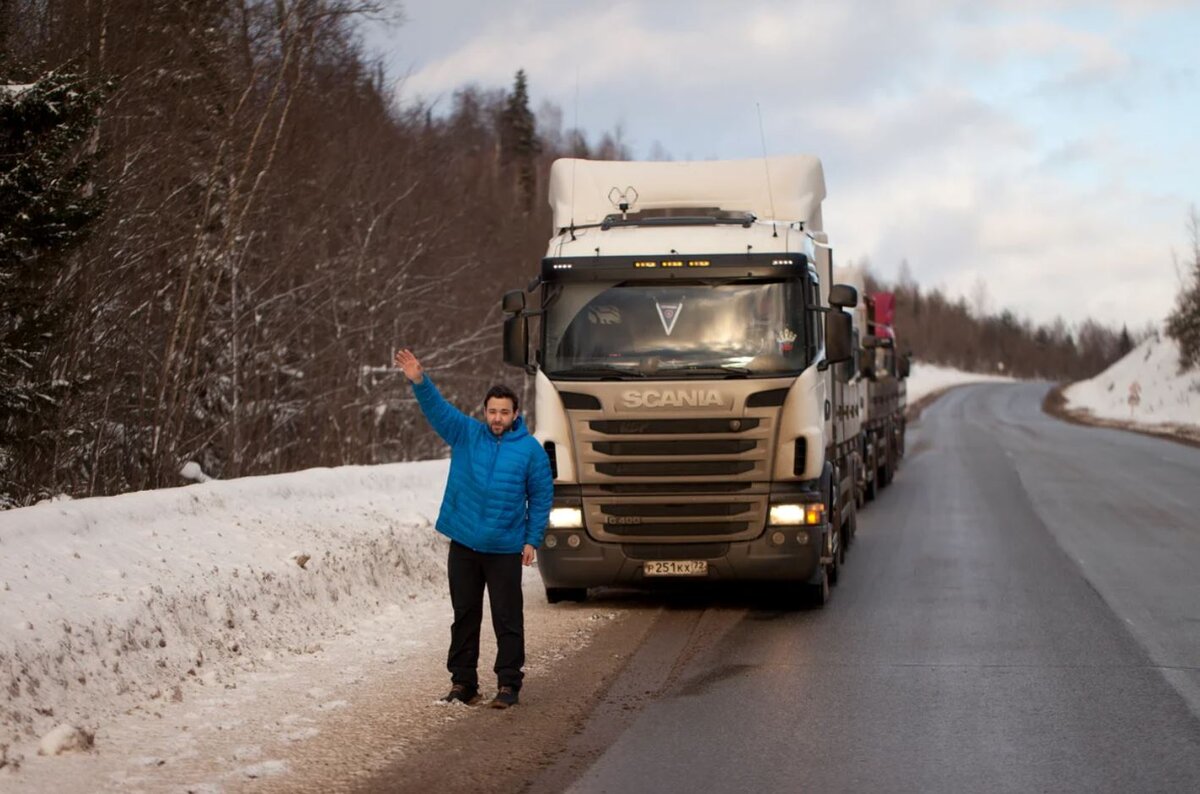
<point x="556" y="594"/>
<point x="886" y="468"/>
<point x="818" y="592"/>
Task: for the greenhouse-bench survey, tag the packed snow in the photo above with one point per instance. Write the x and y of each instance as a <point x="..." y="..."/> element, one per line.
<point x="1145" y="388"/>
<point x="236" y="611"/>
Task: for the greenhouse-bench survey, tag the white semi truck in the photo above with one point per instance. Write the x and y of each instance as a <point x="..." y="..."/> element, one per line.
<point x="688" y="392"/>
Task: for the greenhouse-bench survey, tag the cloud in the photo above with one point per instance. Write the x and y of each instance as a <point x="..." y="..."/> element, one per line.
<point x="999" y="139"/>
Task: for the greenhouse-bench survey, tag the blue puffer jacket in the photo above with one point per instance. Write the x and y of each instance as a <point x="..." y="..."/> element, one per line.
<point x="499" y="492"/>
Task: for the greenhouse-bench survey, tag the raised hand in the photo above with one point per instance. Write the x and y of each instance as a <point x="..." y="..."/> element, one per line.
<point x="406" y="361"/>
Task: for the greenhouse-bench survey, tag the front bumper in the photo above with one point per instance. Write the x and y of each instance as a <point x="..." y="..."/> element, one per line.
<point x="763" y="559"/>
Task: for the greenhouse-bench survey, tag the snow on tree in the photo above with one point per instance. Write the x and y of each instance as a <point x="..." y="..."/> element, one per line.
<point x="47" y="203"/>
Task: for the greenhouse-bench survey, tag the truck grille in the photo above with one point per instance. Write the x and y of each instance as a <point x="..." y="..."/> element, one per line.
<point x="675" y="551"/>
<point x="632" y="427"/>
<point x="668" y="517"/>
<point x="678" y="530"/>
<point x="716" y="449"/>
<point x="676" y="482"/>
<point x="676" y="468"/>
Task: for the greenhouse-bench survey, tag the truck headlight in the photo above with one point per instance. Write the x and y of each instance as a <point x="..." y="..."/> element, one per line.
<point x="566" y="518"/>
<point x="809" y="513"/>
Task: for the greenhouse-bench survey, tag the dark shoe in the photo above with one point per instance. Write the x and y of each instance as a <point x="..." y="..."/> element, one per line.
<point x="461" y="693"/>
<point x="507" y="696"/>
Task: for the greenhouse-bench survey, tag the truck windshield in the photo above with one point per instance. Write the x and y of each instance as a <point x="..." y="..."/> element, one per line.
<point x="674" y="330"/>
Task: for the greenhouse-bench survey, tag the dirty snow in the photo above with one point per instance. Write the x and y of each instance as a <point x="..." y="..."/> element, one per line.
<point x="218" y="634"/>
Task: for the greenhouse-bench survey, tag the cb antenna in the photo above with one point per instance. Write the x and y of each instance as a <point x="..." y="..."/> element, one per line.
<point x="574" y="154"/>
<point x="762" y="136"/>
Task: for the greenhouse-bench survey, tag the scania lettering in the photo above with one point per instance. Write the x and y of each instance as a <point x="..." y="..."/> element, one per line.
<point x="671" y="399"/>
<point x="686" y="336"/>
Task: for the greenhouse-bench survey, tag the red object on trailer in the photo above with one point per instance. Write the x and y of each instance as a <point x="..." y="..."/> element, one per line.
<point x="885" y="313"/>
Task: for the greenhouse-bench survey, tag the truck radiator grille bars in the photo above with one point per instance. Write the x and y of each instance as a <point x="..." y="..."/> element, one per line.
<point x="715" y="448"/>
<point x="674" y="481"/>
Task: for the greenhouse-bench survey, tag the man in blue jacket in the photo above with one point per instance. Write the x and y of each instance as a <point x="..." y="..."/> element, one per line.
<point x="494" y="511"/>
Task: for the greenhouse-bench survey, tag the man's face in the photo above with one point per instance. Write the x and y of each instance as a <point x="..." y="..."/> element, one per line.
<point x="499" y="414"/>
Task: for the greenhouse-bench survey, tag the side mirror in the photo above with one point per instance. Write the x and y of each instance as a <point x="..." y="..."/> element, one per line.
<point x="905" y="365"/>
<point x="516" y="340"/>
<point x="513" y="302"/>
<point x="843" y="296"/>
<point x="838" y="335"/>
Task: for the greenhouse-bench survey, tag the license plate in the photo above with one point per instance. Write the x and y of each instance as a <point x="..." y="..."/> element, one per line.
<point x="676" y="568"/>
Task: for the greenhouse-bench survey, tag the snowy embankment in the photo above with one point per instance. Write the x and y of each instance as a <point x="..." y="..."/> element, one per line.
<point x="113" y="604"/>
<point x="926" y="379"/>
<point x="1144" y="389"/>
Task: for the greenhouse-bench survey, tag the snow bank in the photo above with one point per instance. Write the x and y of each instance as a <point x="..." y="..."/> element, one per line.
<point x="111" y="603"/>
<point x="924" y="379"/>
<point x="1144" y="388"/>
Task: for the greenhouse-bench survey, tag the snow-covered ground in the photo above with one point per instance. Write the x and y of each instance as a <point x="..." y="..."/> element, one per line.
<point x="925" y="379"/>
<point x="200" y="606"/>
<point x="178" y="638"/>
<point x="1145" y="389"/>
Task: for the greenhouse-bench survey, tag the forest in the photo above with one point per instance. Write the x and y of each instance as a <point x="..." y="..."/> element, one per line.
<point x="217" y="223"/>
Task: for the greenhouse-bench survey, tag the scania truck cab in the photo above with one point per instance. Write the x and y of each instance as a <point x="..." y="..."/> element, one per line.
<point x="686" y="331"/>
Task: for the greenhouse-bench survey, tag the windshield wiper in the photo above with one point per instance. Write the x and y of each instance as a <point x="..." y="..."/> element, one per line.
<point x="696" y="369"/>
<point x="596" y="371"/>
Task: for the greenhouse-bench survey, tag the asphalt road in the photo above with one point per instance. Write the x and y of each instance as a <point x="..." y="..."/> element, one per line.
<point x="1020" y="612"/>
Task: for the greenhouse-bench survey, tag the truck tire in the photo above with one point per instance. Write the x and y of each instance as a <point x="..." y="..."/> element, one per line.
<point x="818" y="592"/>
<point x="557" y="594"/>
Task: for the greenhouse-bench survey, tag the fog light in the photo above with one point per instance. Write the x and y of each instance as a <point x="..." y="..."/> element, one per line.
<point x="802" y="537"/>
<point x="566" y="518"/>
<point x="777" y="538"/>
<point x="573" y="541"/>
<point x="551" y="541"/>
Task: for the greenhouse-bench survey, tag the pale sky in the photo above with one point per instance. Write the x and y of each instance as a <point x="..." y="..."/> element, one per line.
<point x="1047" y="146"/>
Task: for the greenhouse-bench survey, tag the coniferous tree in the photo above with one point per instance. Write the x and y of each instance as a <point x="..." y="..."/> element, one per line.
<point x="519" y="145"/>
<point x="46" y="205"/>
<point x="1125" y="342"/>
<point x="1183" y="324"/>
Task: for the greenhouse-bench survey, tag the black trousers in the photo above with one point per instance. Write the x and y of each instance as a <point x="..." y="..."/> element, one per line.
<point x="470" y="572"/>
